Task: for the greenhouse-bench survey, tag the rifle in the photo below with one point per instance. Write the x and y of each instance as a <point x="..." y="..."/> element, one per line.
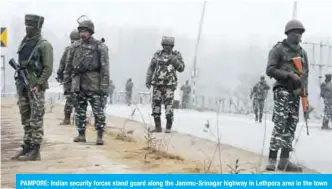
<point x="305" y="103"/>
<point x="21" y="75"/>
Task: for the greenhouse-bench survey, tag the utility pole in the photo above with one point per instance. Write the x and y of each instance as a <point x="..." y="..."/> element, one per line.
<point x="194" y="74"/>
<point x="295" y="10"/>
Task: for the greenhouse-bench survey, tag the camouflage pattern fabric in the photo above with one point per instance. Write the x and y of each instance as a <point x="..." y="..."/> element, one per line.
<point x="258" y="107"/>
<point x="32" y="116"/>
<point x="186" y="95"/>
<point x="162" y="94"/>
<point x="326" y="94"/>
<point x="69" y="104"/>
<point x="163" y="67"/>
<point x="97" y="104"/>
<point x="285" y="117"/>
<point x="62" y="64"/>
<point x="87" y="67"/>
<point x="185" y="101"/>
<point x="327" y="111"/>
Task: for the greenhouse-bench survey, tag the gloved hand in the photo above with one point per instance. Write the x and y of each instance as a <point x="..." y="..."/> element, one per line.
<point x="148" y="85"/>
<point x="295" y="78"/>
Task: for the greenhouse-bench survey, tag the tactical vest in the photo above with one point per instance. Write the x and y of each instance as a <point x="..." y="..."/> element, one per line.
<point x="165" y="73"/>
<point x="286" y="63"/>
<point x="86" y="57"/>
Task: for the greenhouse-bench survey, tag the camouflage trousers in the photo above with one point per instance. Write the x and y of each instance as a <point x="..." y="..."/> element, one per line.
<point x="128" y="97"/>
<point x="258" y="107"/>
<point x="327" y="111"/>
<point x="97" y="103"/>
<point x="32" y="116"/>
<point x="69" y="104"/>
<point x="285" y="117"/>
<point x="162" y="94"/>
<point x="185" y="101"/>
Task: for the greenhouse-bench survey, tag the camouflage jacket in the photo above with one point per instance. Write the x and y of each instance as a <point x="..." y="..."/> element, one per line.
<point x="62" y="63"/>
<point x="129" y="86"/>
<point x="280" y="65"/>
<point x="186" y="89"/>
<point x="87" y="67"/>
<point x="259" y="91"/>
<point x="39" y="63"/>
<point x="326" y="90"/>
<point x="112" y="88"/>
<point x="163" y="67"/>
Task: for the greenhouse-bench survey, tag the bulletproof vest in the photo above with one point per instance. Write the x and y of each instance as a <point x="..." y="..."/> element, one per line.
<point x="25" y="51"/>
<point x="260" y="91"/>
<point x="164" y="70"/>
<point x="287" y="62"/>
<point x="86" y="57"/>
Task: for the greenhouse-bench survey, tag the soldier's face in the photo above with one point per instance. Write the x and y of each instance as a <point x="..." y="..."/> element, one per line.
<point x="294" y="36"/>
<point x="167" y="48"/>
<point x="85" y="34"/>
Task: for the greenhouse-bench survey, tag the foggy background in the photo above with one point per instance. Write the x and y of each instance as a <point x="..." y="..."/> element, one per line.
<point x="235" y="39"/>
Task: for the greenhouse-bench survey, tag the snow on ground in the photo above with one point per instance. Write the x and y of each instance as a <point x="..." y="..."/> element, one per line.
<point x="313" y="151"/>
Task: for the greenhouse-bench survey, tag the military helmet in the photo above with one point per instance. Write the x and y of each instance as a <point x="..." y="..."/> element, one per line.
<point x="167" y="41"/>
<point x="294" y="24"/>
<point x="36" y="20"/>
<point x="87" y="24"/>
<point x="74" y="35"/>
<point x="328" y="72"/>
<point x="262" y="77"/>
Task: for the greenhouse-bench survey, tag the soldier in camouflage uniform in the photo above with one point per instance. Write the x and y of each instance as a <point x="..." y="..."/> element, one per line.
<point x="259" y="92"/>
<point x="287" y="91"/>
<point x="161" y="74"/>
<point x="129" y="91"/>
<point x="36" y="55"/>
<point x="87" y="76"/>
<point x="186" y="90"/>
<point x="74" y="36"/>
<point x="326" y="94"/>
<point x="111" y="91"/>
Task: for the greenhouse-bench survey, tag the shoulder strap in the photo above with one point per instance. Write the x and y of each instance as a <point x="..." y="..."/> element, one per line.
<point x="35" y="49"/>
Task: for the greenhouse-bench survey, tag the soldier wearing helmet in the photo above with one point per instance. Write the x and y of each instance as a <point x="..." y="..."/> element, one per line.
<point x="326" y="94"/>
<point x="74" y="36"/>
<point x="161" y="74"/>
<point x="287" y="91"/>
<point x="36" y="55"/>
<point x="87" y="78"/>
<point x="259" y="92"/>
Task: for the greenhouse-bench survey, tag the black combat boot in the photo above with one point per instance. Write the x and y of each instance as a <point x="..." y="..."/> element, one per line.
<point x="66" y="120"/>
<point x="80" y="137"/>
<point x="26" y="147"/>
<point x="260" y="117"/>
<point x="33" y="154"/>
<point x="100" y="140"/>
<point x="325" y="125"/>
<point x="157" y="123"/>
<point x="169" y="123"/>
<point x="271" y="165"/>
<point x="285" y="164"/>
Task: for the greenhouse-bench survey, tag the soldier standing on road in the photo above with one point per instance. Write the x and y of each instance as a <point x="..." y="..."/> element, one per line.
<point x="186" y="90"/>
<point x="74" y="36"/>
<point x="259" y="92"/>
<point x="129" y="91"/>
<point x="287" y="91"/>
<point x="111" y="91"/>
<point x="161" y="74"/>
<point x="87" y="76"/>
<point x="36" y="55"/>
<point x="326" y="94"/>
